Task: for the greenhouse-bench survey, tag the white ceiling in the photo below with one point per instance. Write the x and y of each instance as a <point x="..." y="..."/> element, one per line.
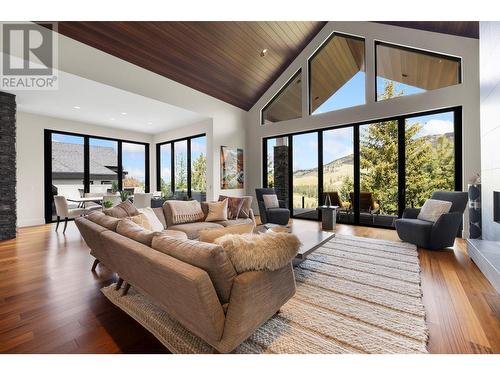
<point x="104" y="105"/>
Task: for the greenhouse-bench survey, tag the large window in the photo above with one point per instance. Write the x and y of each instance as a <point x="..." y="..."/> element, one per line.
<point x="134" y="166"/>
<point x="287" y="104"/>
<point x="429" y="155"/>
<point x="337" y="74"/>
<point x="403" y="71"/>
<point x="77" y="165"/>
<point x="305" y="175"/>
<point x="103" y="165"/>
<point x="338" y="170"/>
<point x="372" y="171"/>
<point x="182" y="168"/>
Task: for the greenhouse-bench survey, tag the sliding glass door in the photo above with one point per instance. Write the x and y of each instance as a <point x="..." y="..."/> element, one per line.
<point x="378" y="174"/>
<point x="338" y="171"/>
<point x="78" y="165"/>
<point x="67" y="173"/>
<point x="305" y="175"/>
<point x="372" y="171"/>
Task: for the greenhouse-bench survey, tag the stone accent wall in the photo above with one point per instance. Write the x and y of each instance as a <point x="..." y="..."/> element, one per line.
<point x="8" y="215"/>
<point x="281" y="181"/>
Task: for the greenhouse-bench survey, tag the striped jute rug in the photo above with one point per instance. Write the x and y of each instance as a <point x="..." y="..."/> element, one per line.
<point x="354" y="295"/>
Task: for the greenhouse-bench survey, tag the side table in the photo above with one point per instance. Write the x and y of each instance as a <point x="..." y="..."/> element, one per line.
<point x="328" y="217"/>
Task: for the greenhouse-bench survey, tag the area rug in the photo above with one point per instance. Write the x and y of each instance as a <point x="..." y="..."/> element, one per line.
<point x="354" y="295"/>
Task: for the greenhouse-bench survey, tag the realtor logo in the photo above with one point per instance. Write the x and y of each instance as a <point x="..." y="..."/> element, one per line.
<point x="28" y="57"/>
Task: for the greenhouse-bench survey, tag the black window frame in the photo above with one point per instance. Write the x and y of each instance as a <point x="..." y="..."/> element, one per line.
<point x="417" y="50"/>
<point x="309" y="70"/>
<point x="86" y="164"/>
<point x="457" y="119"/>
<point x="172" y="161"/>
<point x="280" y="91"/>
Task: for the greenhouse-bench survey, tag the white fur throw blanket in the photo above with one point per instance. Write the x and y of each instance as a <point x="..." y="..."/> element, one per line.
<point x="259" y="252"/>
<point x="185" y="211"/>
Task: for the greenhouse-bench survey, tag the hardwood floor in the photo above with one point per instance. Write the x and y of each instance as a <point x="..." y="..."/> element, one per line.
<point x="50" y="301"/>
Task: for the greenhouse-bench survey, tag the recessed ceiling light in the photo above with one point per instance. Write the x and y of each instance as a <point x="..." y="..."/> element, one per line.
<point x="124" y="113"/>
<point x="404" y="75"/>
<point x="150" y="123"/>
<point x="112" y="119"/>
<point x="76" y="107"/>
<point x="263" y="52"/>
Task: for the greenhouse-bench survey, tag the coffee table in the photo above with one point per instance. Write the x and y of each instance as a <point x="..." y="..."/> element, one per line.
<point x="309" y="233"/>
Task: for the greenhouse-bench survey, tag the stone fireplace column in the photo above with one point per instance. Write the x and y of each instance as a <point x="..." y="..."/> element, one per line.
<point x="8" y="216"/>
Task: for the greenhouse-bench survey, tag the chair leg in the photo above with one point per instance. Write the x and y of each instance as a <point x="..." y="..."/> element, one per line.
<point x="125" y="289"/>
<point x="65" y="224"/>
<point x="119" y="283"/>
<point x="94" y="266"/>
<point x="58" y="220"/>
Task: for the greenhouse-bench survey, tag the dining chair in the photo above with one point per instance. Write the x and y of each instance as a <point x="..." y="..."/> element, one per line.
<point x="63" y="211"/>
<point x="142" y="200"/>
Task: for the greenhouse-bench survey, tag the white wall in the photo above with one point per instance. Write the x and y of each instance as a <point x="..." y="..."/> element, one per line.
<point x="465" y="94"/>
<point x="30" y="159"/>
<point x="490" y="124"/>
<point x="228" y="121"/>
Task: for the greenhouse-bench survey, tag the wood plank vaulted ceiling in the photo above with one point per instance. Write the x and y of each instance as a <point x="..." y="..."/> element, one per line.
<point x="221" y="59"/>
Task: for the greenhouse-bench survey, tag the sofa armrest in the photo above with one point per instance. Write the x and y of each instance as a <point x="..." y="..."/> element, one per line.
<point x="255" y="297"/>
<point x="411" y="213"/>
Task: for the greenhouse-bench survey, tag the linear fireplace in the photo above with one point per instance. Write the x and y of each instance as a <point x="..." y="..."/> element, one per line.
<point x="496" y="206"/>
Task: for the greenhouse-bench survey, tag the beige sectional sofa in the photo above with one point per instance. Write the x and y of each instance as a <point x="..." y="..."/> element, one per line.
<point x="193" y="281"/>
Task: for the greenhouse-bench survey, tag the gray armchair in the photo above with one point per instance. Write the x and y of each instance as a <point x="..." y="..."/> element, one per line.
<point x="279" y="215"/>
<point x="433" y="235"/>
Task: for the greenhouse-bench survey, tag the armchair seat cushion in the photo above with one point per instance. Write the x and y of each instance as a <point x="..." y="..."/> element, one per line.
<point x="192" y="230"/>
<point x="231" y="223"/>
<point x="278" y="215"/>
<point x="414" y="231"/>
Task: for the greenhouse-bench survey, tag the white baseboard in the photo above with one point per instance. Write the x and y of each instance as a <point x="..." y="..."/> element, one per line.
<point x="30" y="223"/>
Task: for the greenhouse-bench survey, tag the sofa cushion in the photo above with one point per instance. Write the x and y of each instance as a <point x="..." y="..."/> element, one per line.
<point x="172" y="233"/>
<point x="259" y="252"/>
<point x="160" y="215"/>
<point x="206" y="256"/>
<point x="124" y="209"/>
<point x="210" y="235"/>
<point x="155" y="223"/>
<point x="234" y="205"/>
<point x="217" y="210"/>
<point x="229" y="223"/>
<point x="103" y="220"/>
<point x="180" y="212"/>
<point x="433" y="209"/>
<point x="192" y="229"/>
<point x="135" y="232"/>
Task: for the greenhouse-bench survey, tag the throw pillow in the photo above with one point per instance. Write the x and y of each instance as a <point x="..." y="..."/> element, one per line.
<point x="246" y="207"/>
<point x="233" y="206"/>
<point x="433" y="209"/>
<point x="180" y="212"/>
<point x="270" y="201"/>
<point x="217" y="211"/>
<point x="259" y="252"/>
<point x="210" y="235"/>
<point x="141" y="220"/>
<point x="124" y="209"/>
<point x="129" y="229"/>
<point x="154" y="221"/>
<point x="105" y="221"/>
